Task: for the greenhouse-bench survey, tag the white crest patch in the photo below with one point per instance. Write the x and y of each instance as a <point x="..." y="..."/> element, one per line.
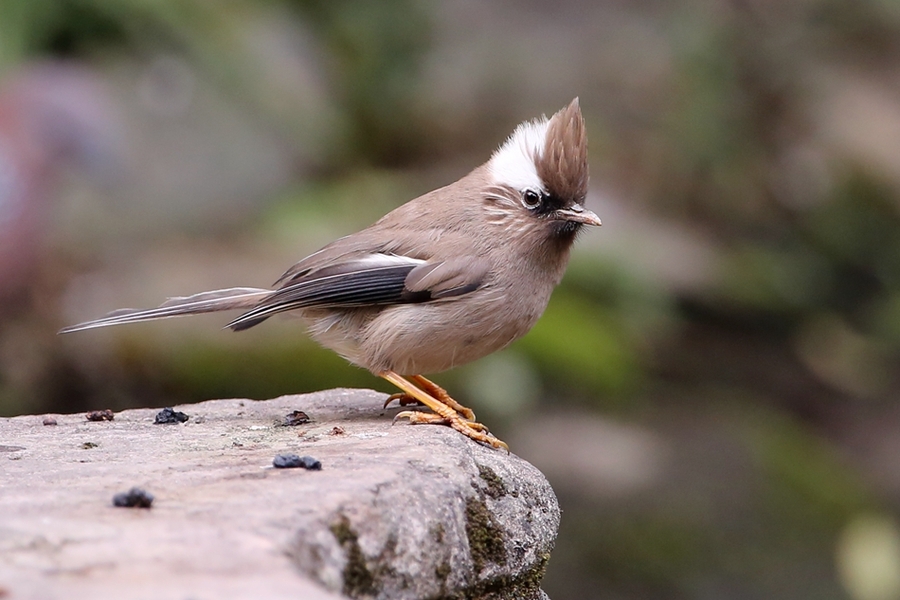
<point x="513" y="164"/>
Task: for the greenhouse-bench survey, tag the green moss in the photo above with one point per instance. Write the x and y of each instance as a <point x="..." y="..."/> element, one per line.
<point x="486" y="543"/>
<point x="358" y="579"/>
<point x="496" y="488"/>
<point x="442" y="572"/>
<point x="525" y="586"/>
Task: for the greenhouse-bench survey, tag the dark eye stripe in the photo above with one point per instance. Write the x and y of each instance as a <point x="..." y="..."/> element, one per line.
<point x="540" y="203"/>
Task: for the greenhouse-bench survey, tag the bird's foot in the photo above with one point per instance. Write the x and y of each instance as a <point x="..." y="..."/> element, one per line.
<point x="446" y="410"/>
<point x="439" y="393"/>
<point x="433" y="390"/>
<point x="470" y="429"/>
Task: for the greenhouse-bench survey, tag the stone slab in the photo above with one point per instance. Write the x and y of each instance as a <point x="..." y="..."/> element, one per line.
<point x="396" y="512"/>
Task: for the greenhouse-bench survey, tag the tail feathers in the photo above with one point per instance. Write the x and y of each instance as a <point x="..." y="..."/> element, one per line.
<point x="204" y="302"/>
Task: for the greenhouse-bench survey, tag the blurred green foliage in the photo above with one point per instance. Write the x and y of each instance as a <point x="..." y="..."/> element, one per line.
<point x="373" y="54"/>
<point x="809" y="487"/>
<point x="790" y="498"/>
<point x="375" y="49"/>
<point x="576" y="341"/>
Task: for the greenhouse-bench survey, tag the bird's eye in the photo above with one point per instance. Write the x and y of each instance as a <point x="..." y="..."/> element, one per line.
<point x="531" y="199"/>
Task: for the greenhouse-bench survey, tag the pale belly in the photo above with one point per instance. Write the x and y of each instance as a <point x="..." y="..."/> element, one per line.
<point x="417" y="338"/>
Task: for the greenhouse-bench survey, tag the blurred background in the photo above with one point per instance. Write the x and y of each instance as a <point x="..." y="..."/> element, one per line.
<point x="712" y="391"/>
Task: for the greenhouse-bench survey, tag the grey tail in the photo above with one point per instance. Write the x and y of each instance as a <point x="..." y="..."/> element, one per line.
<point x="204" y="302"/>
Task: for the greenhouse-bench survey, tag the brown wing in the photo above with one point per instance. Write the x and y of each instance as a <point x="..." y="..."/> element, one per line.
<point x="370" y="280"/>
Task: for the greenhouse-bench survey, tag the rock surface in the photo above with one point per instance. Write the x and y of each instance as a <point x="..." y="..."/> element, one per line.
<point x="396" y="512"/>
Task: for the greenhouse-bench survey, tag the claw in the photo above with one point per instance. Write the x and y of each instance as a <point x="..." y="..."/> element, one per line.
<point x="416" y="417"/>
<point x="403" y="398"/>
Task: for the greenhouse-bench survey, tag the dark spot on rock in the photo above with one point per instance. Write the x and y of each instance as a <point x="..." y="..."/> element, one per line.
<point x="358" y="579"/>
<point x="437" y="532"/>
<point x="336" y="431"/>
<point x="170" y="415"/>
<point x="486" y="543"/>
<point x="100" y="415"/>
<point x="292" y="461"/>
<point x="286" y="461"/>
<point x="89" y="445"/>
<point x="442" y="572"/>
<point x="49" y="421"/>
<point x="298" y="417"/>
<point x="310" y="463"/>
<point x="11" y="448"/>
<point x="496" y="488"/>
<point x="133" y="498"/>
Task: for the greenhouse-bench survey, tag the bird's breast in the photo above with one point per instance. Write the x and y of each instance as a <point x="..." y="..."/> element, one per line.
<point x="437" y="336"/>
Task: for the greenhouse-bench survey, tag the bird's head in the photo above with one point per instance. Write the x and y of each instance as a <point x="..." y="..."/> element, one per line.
<point x="539" y="176"/>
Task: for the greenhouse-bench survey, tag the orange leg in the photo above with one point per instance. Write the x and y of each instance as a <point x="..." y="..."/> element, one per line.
<point x="443" y="413"/>
<point x="433" y="390"/>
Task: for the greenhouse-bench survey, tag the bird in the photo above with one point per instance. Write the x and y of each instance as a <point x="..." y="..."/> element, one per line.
<point x="442" y="280"/>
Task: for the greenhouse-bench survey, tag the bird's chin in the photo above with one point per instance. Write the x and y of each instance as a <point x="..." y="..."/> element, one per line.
<point x="566" y="229"/>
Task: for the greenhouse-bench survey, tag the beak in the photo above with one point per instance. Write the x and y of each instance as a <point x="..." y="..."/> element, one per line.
<point x="578" y="214"/>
